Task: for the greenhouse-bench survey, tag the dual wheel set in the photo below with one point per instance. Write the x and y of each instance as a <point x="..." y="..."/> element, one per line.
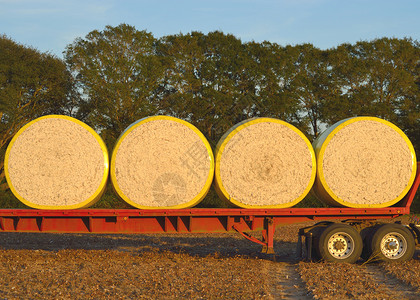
<point x="342" y="242"/>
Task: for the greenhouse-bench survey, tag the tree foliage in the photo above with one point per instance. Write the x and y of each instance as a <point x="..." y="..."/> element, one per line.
<point x="32" y="84"/>
<point x="377" y="78"/>
<point x="118" y="75"/>
<point x="215" y="80"/>
<point x="213" y="101"/>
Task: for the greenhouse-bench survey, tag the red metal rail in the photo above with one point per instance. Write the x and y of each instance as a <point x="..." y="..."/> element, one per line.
<point x="193" y="220"/>
<point x="182" y="220"/>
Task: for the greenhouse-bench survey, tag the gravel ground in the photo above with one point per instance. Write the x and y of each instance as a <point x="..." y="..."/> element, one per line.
<point x="67" y="266"/>
<point x="93" y="274"/>
<point x="408" y="272"/>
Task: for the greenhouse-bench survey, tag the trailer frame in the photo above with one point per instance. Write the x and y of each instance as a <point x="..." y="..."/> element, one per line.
<point x="193" y="220"/>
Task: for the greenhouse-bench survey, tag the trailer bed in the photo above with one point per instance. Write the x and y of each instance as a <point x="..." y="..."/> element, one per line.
<point x="194" y="220"/>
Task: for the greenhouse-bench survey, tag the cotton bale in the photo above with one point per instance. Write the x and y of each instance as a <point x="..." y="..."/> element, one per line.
<point x="57" y="162"/>
<point x="363" y="162"/>
<point x="264" y="163"/>
<point x="162" y="162"/>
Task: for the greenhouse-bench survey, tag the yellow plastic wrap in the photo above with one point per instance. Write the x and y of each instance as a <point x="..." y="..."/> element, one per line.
<point x="46" y="157"/>
<point x="375" y="139"/>
<point x="175" y="169"/>
<point x="283" y="172"/>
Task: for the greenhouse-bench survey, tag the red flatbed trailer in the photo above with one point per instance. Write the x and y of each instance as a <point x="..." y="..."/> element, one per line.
<point x="194" y="220"/>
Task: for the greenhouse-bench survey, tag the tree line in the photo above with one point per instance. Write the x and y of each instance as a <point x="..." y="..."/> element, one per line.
<point x="215" y="80"/>
<point x="113" y="77"/>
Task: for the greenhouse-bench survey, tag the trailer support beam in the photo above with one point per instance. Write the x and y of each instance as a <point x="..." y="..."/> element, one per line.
<point x="268" y="235"/>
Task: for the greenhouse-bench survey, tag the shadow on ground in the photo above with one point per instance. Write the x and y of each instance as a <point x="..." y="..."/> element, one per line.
<point x="223" y="245"/>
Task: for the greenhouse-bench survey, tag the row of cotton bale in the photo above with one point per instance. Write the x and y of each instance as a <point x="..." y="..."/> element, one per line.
<point x="58" y="162"/>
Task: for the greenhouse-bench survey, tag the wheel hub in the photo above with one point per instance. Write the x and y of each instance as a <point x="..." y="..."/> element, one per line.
<point x="393" y="245"/>
<point x="340" y="245"/>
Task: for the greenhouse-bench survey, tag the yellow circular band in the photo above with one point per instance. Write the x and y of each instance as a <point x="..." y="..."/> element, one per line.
<point x="197" y="199"/>
<point x="321" y="187"/>
<point x="86" y="203"/>
<point x="218" y="183"/>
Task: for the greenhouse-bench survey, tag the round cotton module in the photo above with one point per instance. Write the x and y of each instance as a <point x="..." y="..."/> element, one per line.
<point x="363" y="162"/>
<point x="264" y="163"/>
<point x="162" y="162"/>
<point x="57" y="162"/>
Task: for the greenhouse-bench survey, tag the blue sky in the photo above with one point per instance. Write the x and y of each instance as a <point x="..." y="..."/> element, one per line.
<point x="50" y="25"/>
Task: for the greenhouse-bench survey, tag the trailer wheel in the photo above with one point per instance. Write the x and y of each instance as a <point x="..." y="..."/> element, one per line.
<point x="339" y="243"/>
<point x="392" y="242"/>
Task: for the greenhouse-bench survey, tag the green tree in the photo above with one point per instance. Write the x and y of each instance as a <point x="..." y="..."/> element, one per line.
<point x="32" y="84"/>
<point x="410" y="115"/>
<point x="376" y="78"/>
<point x="118" y="75"/>
<point x="309" y="83"/>
<point x="207" y="81"/>
<point x="272" y="77"/>
<point x="350" y="75"/>
<point x="181" y="88"/>
<point x="227" y="81"/>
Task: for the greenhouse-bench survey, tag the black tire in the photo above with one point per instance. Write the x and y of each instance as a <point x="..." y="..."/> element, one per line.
<point x="367" y="234"/>
<point x="392" y="243"/>
<point x="339" y="243"/>
<point x="316" y="231"/>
